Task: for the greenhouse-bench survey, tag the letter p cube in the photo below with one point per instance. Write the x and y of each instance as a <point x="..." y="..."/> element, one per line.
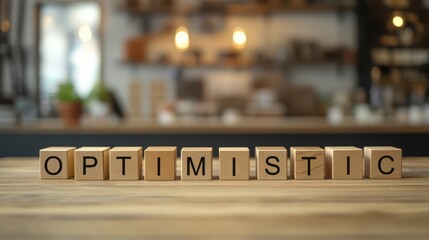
<point x="91" y="163"/>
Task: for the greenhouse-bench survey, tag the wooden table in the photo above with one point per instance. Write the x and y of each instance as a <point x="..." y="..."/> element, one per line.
<point x="326" y="209"/>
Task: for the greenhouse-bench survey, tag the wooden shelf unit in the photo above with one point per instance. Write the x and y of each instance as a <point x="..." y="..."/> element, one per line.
<point x="235" y="9"/>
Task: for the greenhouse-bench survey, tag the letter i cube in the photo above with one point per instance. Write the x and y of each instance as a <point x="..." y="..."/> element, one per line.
<point x="344" y="162"/>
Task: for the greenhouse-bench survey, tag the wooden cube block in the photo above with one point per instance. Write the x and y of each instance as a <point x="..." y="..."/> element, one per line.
<point x="307" y="162"/>
<point x="271" y="162"/>
<point x="91" y="163"/>
<point x="56" y="162"/>
<point x="343" y="162"/>
<point x="125" y="163"/>
<point x="197" y="163"/>
<point x="234" y="163"/>
<point x="160" y="163"/>
<point x="383" y="162"/>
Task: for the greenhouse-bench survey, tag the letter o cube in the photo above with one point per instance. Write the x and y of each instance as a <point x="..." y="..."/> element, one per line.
<point x="56" y="162"/>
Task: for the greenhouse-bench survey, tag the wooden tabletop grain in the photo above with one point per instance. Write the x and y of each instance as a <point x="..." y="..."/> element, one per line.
<point x="255" y="209"/>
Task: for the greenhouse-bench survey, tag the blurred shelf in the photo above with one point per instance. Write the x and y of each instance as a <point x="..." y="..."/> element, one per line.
<point x="233" y="9"/>
<point x="199" y="65"/>
<point x="407" y="9"/>
<point x="239" y="9"/>
<point x="400" y="66"/>
<point x="246" y="125"/>
<point x="315" y="63"/>
<point x="320" y="62"/>
<point x="414" y="47"/>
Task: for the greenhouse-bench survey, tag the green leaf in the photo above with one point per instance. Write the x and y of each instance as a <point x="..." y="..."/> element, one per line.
<point x="67" y="93"/>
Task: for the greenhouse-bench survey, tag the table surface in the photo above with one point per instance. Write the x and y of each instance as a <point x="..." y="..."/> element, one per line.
<point x="328" y="209"/>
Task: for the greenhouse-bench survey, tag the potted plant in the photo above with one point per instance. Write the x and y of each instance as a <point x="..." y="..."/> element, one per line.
<point x="98" y="102"/>
<point x="69" y="104"/>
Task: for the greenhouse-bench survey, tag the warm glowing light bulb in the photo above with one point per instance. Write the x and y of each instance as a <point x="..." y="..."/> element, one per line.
<point x="398" y="21"/>
<point x="239" y="38"/>
<point x="85" y="33"/>
<point x="182" y="38"/>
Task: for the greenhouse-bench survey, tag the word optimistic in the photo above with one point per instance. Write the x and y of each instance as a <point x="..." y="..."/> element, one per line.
<point x="125" y="163"/>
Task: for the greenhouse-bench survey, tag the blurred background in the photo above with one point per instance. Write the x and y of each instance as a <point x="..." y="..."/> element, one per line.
<point x="213" y="72"/>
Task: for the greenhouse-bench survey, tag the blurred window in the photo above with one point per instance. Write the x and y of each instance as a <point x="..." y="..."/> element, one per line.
<point x="69" y="49"/>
